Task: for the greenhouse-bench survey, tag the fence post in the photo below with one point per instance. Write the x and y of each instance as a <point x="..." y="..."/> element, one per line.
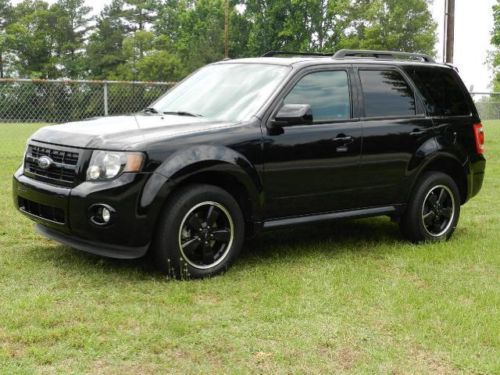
<point x="105" y="87"/>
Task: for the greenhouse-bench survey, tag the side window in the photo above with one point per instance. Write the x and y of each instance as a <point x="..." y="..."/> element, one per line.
<point x="326" y="92"/>
<point x="386" y="93"/>
<point x="442" y="93"/>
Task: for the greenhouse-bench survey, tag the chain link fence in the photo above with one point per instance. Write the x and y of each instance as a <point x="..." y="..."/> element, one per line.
<point x="487" y="104"/>
<point x="55" y="101"/>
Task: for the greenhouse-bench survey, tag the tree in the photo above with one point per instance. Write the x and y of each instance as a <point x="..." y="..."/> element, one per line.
<point x="5" y="15"/>
<point x="29" y="40"/>
<point x="140" y="13"/>
<point x="200" y="36"/>
<point x="70" y="35"/>
<point x="328" y="25"/>
<point x="139" y="38"/>
<point x="168" y="21"/>
<point x="401" y="25"/>
<point x="495" y="40"/>
<point x="104" y="49"/>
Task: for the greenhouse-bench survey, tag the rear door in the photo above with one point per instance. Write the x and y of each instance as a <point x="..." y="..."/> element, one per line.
<point x="394" y="128"/>
<point x="313" y="168"/>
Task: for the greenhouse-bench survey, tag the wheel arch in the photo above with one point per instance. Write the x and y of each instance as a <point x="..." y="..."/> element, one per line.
<point x="214" y="165"/>
<point x="449" y="164"/>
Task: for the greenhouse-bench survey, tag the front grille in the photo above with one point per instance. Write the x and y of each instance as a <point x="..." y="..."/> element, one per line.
<point x="40" y="210"/>
<point x="63" y="169"/>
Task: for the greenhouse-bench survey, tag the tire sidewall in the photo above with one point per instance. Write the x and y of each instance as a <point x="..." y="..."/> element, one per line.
<point x="413" y="225"/>
<point x="169" y="257"/>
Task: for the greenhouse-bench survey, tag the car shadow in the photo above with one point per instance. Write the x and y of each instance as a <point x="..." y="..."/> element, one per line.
<point x="335" y="237"/>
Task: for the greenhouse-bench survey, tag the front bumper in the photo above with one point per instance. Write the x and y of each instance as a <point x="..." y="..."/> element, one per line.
<point x="63" y="214"/>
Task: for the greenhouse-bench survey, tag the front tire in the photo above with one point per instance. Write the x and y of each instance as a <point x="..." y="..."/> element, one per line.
<point x="433" y="210"/>
<point x="200" y="233"/>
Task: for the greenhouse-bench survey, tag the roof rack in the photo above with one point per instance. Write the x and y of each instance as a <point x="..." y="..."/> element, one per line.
<point x="386" y="55"/>
<point x="290" y="53"/>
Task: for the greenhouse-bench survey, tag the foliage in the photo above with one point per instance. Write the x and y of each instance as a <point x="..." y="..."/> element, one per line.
<point x="495" y="40"/>
<point x="70" y="35"/>
<point x="104" y="49"/>
<point x="379" y="25"/>
<point x="5" y="14"/>
<point x="29" y="39"/>
<point x="167" y="39"/>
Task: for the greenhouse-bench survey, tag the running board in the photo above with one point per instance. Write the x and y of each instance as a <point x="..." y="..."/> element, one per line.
<point x="365" y="212"/>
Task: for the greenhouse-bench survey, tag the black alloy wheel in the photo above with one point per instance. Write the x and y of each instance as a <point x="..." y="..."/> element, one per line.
<point x="438" y="210"/>
<point x="200" y="233"/>
<point x="433" y="210"/>
<point x="206" y="234"/>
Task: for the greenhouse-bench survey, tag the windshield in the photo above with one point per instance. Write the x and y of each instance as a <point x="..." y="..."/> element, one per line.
<point x="227" y="92"/>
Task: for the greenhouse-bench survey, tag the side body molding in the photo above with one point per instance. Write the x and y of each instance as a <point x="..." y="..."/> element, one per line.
<point x="198" y="159"/>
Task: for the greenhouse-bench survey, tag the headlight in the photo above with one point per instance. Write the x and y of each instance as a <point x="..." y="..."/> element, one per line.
<point x="105" y="165"/>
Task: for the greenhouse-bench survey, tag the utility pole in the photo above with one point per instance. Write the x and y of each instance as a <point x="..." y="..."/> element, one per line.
<point x="449" y="31"/>
<point x="226" y="29"/>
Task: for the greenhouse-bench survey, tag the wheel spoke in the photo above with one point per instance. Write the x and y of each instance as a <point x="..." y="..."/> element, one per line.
<point x="222" y="235"/>
<point x="442" y="196"/>
<point x="191" y="245"/>
<point x="429" y="217"/>
<point x="212" y="215"/>
<point x="447" y="212"/>
<point x="208" y="254"/>
<point x="437" y="226"/>
<point x="195" y="222"/>
<point x="432" y="199"/>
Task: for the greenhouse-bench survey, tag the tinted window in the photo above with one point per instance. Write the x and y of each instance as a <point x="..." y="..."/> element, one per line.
<point x="386" y="93"/>
<point x="326" y="92"/>
<point x="443" y="95"/>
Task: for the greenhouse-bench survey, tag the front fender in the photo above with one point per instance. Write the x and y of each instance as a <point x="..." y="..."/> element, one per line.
<point x="187" y="163"/>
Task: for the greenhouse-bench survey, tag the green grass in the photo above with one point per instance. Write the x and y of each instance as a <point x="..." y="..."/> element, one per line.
<point x="347" y="297"/>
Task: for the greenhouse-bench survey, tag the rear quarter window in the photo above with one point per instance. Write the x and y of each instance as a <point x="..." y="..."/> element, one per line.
<point x="442" y="90"/>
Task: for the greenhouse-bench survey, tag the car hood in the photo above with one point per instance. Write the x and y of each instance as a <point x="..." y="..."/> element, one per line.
<point x="125" y="132"/>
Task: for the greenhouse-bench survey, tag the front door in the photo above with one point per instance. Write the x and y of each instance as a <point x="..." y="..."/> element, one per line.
<point x="312" y="168"/>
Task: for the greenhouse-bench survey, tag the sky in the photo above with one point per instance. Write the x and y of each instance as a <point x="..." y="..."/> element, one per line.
<point x="473" y="25"/>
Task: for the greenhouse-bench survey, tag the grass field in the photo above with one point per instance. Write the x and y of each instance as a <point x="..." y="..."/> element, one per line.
<point x="349" y="297"/>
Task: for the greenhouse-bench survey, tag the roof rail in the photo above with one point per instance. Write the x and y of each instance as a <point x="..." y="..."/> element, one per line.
<point x="386" y="55"/>
<point x="290" y="53"/>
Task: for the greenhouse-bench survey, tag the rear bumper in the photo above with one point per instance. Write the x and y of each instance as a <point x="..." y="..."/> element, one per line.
<point x="63" y="214"/>
<point x="476" y="175"/>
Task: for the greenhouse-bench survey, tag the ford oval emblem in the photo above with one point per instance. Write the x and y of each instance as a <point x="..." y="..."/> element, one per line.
<point x="44" y="162"/>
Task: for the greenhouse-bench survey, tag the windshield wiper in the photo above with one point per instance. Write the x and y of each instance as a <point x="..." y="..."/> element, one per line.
<point x="182" y="113"/>
<point x="150" y="110"/>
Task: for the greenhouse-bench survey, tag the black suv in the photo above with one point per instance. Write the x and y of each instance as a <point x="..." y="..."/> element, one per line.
<point x="255" y="144"/>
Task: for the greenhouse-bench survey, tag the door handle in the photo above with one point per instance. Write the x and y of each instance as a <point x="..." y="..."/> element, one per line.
<point x="345" y="139"/>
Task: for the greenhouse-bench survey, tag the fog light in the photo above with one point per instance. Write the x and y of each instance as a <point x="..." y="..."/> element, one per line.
<point x="101" y="214"/>
<point x="106" y="215"/>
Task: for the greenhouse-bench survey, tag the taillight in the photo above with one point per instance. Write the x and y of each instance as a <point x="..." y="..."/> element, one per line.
<point x="479" y="137"/>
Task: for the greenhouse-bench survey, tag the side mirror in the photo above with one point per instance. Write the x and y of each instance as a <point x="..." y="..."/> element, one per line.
<point x="293" y="114"/>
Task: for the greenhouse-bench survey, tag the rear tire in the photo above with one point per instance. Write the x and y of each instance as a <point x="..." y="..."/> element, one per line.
<point x="200" y="233"/>
<point x="433" y="210"/>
